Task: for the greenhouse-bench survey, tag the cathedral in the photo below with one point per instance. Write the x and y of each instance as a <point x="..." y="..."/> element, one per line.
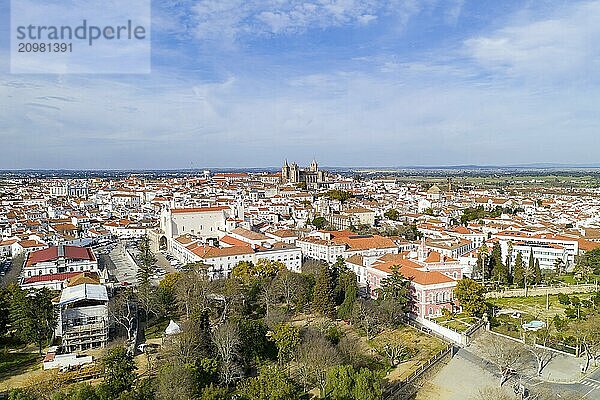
<point x="311" y="175"/>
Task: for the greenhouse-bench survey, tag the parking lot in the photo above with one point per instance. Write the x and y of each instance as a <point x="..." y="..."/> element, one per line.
<point x="9" y="273"/>
<point x="4" y="267"/>
<point x="166" y="261"/>
<point x="122" y="268"/>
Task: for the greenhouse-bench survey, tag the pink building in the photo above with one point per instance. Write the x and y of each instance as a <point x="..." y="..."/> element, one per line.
<point x="432" y="290"/>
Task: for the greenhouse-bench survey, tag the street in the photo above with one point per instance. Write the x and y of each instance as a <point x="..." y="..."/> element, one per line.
<point x="469" y="372"/>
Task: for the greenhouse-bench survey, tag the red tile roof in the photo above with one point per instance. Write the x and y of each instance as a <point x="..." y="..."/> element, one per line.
<point x="415" y="275"/>
<point x="51" y="253"/>
<point x="50" y="277"/>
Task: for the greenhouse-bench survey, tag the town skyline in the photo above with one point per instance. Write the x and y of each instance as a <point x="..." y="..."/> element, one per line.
<point x="352" y="83"/>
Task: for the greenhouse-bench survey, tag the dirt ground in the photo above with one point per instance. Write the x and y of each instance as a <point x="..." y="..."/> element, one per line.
<point x="458" y="380"/>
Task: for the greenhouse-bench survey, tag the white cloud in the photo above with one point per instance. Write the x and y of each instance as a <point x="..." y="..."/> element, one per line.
<point x="229" y="19"/>
<point x="343" y="118"/>
<point x="556" y="46"/>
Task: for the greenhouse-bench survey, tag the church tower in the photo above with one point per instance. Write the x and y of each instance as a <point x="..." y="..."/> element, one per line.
<point x="294" y="173"/>
<point x="285" y="172"/>
<point x="314" y="167"/>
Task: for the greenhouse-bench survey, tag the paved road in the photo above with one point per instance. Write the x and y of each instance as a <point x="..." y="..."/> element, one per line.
<point x="162" y="262"/>
<point x="121" y="267"/>
<point x="12" y="274"/>
<point x="586" y="388"/>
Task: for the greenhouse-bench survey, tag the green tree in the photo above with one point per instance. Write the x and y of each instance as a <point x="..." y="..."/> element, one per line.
<point x="392" y="214"/>
<point x="519" y="271"/>
<point x="4" y="310"/>
<point x="470" y="294"/>
<point x="215" y="393"/>
<point x="537" y="272"/>
<point x="498" y="269"/>
<point x="146" y="262"/>
<point x="81" y="391"/>
<point x="243" y="270"/>
<point x="324" y="292"/>
<point x="481" y="266"/>
<point x="350" y="296"/>
<point x="509" y="262"/>
<point x="319" y="222"/>
<point x="270" y="384"/>
<point x="268" y="269"/>
<point x="255" y="344"/>
<point x="21" y="394"/>
<point x="42" y="317"/>
<point x="32" y="315"/>
<point x="341" y="195"/>
<point x="367" y="385"/>
<point x="146" y="292"/>
<point x="588" y="263"/>
<point x="119" y="371"/>
<point x="529" y="273"/>
<point x="167" y="293"/>
<point x="394" y="298"/>
<point x="340" y="382"/>
<point x="246" y="271"/>
<point x="287" y="340"/>
<point x="176" y="382"/>
<point x="346" y="290"/>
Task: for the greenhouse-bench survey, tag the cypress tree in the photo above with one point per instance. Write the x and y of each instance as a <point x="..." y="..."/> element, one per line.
<point x="499" y="271"/>
<point x="324" y="293"/>
<point x="537" y="272"/>
<point x="519" y="271"/>
<point x="508" y="263"/>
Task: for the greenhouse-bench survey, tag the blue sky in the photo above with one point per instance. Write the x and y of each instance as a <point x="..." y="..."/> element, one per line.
<point x="352" y="83"/>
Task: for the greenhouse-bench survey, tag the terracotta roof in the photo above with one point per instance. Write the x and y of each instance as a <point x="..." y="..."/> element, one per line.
<point x="216" y="252"/>
<point x="359" y="242"/>
<point x="435" y="257"/>
<point x="462" y="230"/>
<point x="233" y="241"/>
<point x="415" y="275"/>
<point x="283" y="233"/>
<point x="50" y="277"/>
<point x="52" y="253"/>
<point x="355" y="259"/>
<point x="30" y="243"/>
<point x="587" y="245"/>
<point x="84" y="277"/>
<point x="249" y="234"/>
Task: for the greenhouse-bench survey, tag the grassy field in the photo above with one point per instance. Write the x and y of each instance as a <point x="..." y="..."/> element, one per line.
<point x="18" y="368"/>
<point x="571" y="280"/>
<point x="458" y="323"/>
<point x="13" y="363"/>
<point x="157" y="329"/>
<point x="535" y="306"/>
<point x="422" y="345"/>
<point x="530" y="308"/>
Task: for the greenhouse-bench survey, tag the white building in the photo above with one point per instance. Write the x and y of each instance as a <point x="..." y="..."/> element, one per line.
<point x="52" y="266"/>
<point x="83" y="317"/>
<point x="547" y="248"/>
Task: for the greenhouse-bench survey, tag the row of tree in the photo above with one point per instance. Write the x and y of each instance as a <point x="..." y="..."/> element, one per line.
<point x="239" y="335"/>
<point x="28" y="315"/>
<point x="490" y="266"/>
